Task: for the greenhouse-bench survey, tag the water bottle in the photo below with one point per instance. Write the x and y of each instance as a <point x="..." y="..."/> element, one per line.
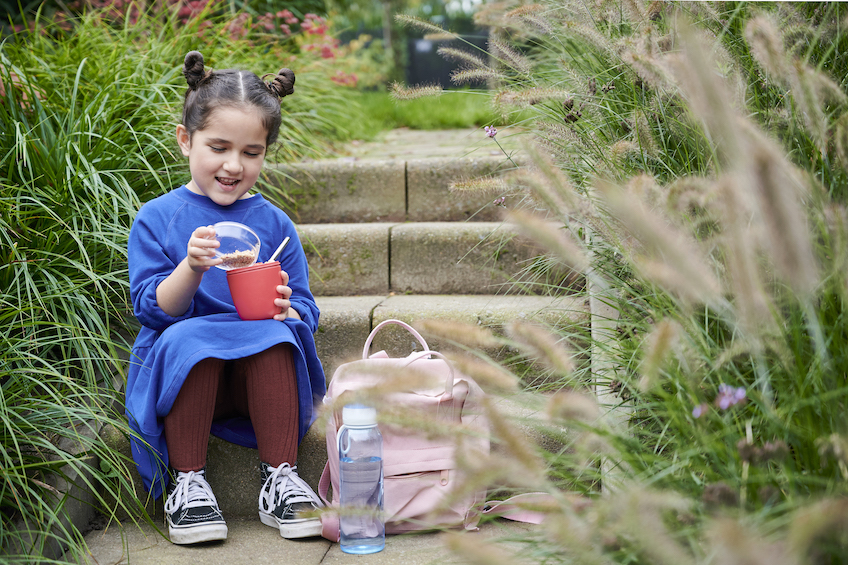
<point x="361" y="481"/>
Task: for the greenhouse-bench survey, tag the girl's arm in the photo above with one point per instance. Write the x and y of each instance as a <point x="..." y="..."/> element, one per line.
<point x="175" y="293"/>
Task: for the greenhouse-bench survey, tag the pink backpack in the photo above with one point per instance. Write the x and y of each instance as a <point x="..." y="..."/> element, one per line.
<point x="419" y="472"/>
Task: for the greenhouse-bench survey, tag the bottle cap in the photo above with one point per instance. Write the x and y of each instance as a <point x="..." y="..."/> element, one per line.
<point x="359" y="415"/>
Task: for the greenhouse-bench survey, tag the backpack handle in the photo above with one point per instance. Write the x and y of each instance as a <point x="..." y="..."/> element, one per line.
<point x="409" y="328"/>
<point x="450" y="378"/>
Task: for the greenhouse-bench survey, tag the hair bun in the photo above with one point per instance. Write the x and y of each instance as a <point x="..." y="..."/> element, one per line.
<point x="193" y="68"/>
<point x="283" y="83"/>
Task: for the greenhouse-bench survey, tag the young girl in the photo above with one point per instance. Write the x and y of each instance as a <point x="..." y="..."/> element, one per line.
<point x="196" y="366"/>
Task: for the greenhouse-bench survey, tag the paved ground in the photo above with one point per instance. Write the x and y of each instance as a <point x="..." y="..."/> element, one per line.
<point x="406" y="143"/>
<point x="250" y="542"/>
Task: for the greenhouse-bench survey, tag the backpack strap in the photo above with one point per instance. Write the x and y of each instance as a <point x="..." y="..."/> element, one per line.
<point x="329" y="518"/>
<point x="404" y="325"/>
<point x="515" y="507"/>
<point x="324" y="484"/>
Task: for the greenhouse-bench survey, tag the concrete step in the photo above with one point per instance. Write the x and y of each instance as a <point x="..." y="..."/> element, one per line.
<point x="346" y="321"/>
<point x="416" y="258"/>
<point x="391" y="190"/>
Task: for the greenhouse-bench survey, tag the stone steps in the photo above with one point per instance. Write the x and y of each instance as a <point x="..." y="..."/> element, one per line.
<point x="417" y="190"/>
<point x="416" y="258"/>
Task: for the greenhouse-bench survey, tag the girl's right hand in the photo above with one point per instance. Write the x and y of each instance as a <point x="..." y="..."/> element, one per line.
<point x="201" y="250"/>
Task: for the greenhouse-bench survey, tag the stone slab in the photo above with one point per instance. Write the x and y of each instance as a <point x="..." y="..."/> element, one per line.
<point x="343" y="327"/>
<point x="233" y="471"/>
<point x="347" y="259"/>
<point x="341" y="191"/>
<point x="406" y="143"/>
<point x="430" y="199"/>
<point x="485" y="310"/>
<point x="458" y="258"/>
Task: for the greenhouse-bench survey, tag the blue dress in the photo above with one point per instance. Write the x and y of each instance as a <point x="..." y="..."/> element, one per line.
<point x="167" y="347"/>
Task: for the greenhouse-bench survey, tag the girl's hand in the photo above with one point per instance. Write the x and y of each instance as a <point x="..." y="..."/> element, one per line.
<point x="201" y="250"/>
<point x="285" y="302"/>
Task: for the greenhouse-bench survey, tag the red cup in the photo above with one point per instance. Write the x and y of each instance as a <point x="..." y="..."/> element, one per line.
<point x="254" y="289"/>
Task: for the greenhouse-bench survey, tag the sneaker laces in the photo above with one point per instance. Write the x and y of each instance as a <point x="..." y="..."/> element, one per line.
<point x="191" y="490"/>
<point x="285" y="485"/>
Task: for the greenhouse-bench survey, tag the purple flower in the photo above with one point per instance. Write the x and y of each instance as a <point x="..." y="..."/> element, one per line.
<point x="500" y="201"/>
<point x="491" y="131"/>
<point x="700" y="410"/>
<point x="729" y="396"/>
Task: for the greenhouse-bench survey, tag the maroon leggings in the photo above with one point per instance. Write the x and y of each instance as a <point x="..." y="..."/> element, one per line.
<point x="262" y="387"/>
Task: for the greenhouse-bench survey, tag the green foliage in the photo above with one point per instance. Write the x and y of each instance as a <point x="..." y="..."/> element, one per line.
<point x="693" y="158"/>
<point x="87" y="120"/>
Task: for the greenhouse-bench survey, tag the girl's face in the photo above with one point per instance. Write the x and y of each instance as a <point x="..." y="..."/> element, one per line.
<point x="225" y="158"/>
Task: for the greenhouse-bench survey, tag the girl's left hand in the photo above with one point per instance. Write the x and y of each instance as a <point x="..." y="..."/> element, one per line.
<point x="285" y="302"/>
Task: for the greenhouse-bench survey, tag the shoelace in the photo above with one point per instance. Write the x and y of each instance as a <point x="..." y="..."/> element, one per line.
<point x="285" y="485"/>
<point x="191" y="490"/>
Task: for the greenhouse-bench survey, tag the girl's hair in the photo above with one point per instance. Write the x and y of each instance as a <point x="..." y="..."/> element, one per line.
<point x="210" y="90"/>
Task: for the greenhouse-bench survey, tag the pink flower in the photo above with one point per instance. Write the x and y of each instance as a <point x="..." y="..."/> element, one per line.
<point x="729" y="396"/>
<point x="327" y="52"/>
<point x="287" y="17"/>
<point x="344" y="79"/>
<point x="700" y="410"/>
<point x="490" y="131"/>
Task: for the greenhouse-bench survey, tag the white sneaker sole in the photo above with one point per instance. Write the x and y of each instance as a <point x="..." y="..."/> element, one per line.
<point x="293" y="529"/>
<point x="197" y="533"/>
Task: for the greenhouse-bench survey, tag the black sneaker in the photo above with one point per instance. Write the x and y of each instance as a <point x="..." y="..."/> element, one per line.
<point x="192" y="511"/>
<point x="283" y="500"/>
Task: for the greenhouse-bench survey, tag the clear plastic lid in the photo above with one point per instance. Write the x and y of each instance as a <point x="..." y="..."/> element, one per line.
<point x="359" y="415"/>
<point x="239" y="245"/>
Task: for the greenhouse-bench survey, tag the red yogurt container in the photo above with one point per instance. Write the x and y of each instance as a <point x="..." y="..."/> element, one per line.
<point x="254" y="289"/>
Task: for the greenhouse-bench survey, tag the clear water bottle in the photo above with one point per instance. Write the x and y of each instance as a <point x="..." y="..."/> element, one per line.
<point x="361" y="481"/>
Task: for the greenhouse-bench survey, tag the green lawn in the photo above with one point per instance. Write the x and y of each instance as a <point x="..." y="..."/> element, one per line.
<point x="453" y="109"/>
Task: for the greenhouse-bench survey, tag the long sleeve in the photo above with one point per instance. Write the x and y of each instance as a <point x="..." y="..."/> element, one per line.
<point x="149" y="265"/>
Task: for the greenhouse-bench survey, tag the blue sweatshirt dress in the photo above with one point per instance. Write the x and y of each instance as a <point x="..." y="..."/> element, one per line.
<point x="168" y="347"/>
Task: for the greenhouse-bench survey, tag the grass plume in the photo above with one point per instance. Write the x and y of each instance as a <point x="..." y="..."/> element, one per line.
<point x="508" y="56"/>
<point x="400" y="92"/>
<point x="552" y="237"/>
<point x="467" y="76"/>
<point x="529" y="96"/>
<point x="542" y="346"/>
<point x="485" y="185"/>
<point x="469" y="335"/>
<point x="421" y="24"/>
<point x="489" y="375"/>
<point x="462" y="56"/>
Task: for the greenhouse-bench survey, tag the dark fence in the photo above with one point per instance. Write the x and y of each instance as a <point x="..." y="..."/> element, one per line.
<point x="426" y="67"/>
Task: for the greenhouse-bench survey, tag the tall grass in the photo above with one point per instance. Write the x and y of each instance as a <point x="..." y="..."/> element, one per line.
<point x="692" y="154"/>
<point x="87" y="118"/>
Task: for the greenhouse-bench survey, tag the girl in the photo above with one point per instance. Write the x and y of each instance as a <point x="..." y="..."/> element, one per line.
<point x="196" y="366"/>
